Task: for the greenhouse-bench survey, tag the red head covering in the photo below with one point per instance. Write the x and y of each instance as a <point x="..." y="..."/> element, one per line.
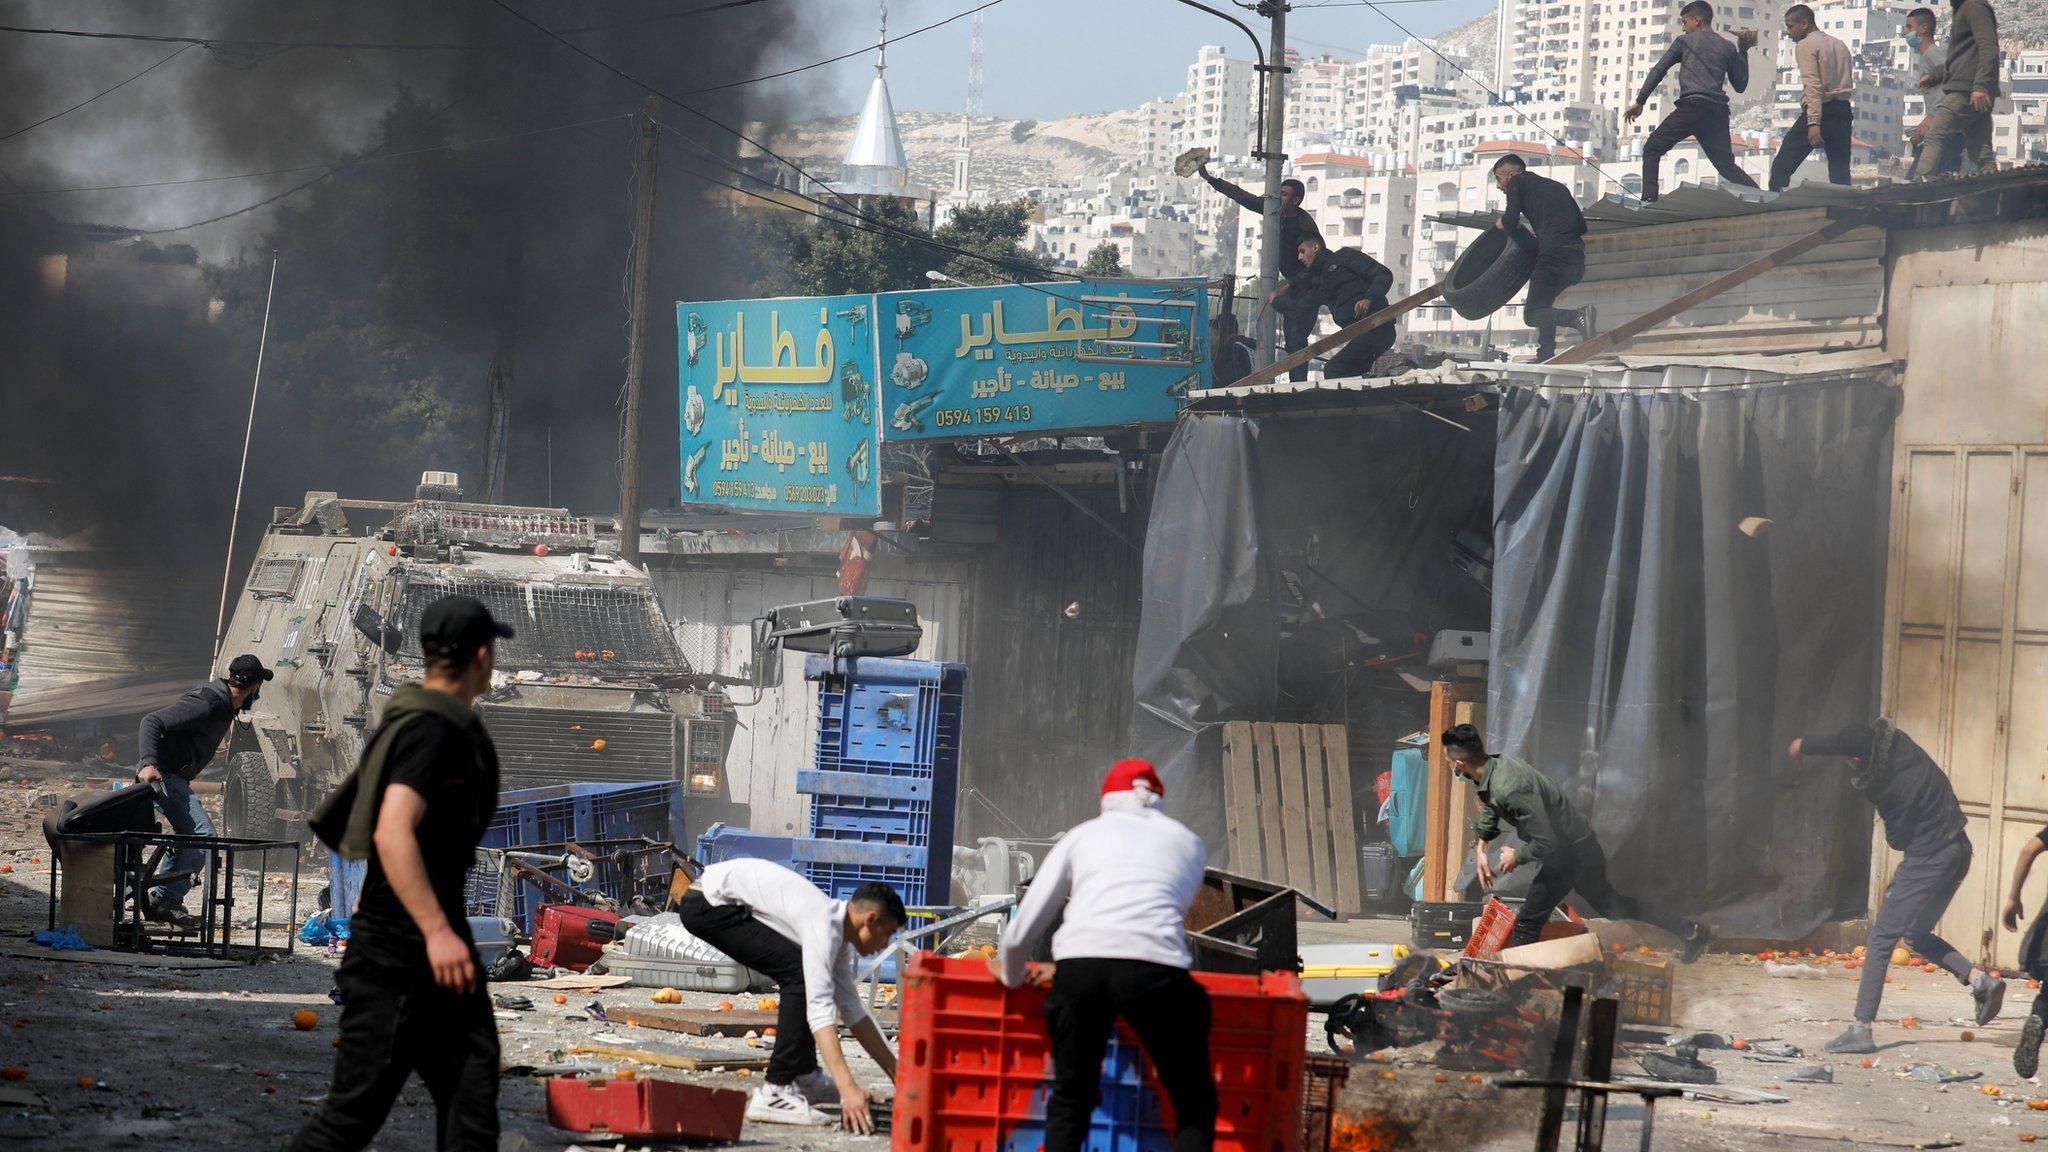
<point x="1126" y="775"/>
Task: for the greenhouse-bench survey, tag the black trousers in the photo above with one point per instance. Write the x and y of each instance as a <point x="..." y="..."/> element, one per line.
<point x="1837" y="124"/>
<point x="1170" y="1014"/>
<point x="395" y="1022"/>
<point x="732" y="929"/>
<point x="1357" y="357"/>
<point x="1703" y="120"/>
<point x="1295" y="329"/>
<point x="1558" y="267"/>
<point x="1582" y="868"/>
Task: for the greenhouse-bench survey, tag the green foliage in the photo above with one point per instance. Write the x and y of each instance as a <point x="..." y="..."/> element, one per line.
<point x="996" y="231"/>
<point x="1104" y="260"/>
<point x="803" y="256"/>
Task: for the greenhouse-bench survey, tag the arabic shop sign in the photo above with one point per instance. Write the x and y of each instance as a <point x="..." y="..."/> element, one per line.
<point x="778" y="404"/>
<point x="1038" y="358"/>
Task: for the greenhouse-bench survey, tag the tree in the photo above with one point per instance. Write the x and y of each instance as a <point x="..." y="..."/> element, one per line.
<point x="1104" y="261"/>
<point x="820" y="258"/>
<point x="995" y="233"/>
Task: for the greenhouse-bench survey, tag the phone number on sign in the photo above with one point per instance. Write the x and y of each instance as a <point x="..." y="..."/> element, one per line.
<point x="989" y="414"/>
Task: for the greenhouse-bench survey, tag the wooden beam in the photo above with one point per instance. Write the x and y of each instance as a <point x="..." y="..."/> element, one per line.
<point x="1342" y="336"/>
<point x="1580" y="353"/>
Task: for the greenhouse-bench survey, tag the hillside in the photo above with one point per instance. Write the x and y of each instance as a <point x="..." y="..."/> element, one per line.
<point x="1474" y="41"/>
<point x="1008" y="154"/>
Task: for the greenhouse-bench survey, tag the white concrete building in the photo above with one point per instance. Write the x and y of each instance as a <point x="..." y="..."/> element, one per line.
<point x="1219" y="107"/>
<point x="1158" y="124"/>
<point x="1146" y="245"/>
<point x="1411" y="63"/>
<point x="1318" y="101"/>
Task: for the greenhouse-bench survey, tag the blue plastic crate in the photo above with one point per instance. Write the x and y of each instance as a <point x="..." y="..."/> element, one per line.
<point x="558" y="813"/>
<point x="876" y="711"/>
<point x="839" y="880"/>
<point x="721" y="842"/>
<point x="1128" y="1118"/>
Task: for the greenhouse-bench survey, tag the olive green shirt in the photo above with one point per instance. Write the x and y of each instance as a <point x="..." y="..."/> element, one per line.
<point x="1511" y="789"/>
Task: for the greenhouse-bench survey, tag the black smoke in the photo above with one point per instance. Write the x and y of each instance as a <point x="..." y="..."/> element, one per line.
<point x="404" y="274"/>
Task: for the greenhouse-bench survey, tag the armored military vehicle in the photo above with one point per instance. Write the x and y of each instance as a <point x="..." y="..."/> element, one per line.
<point x="594" y="688"/>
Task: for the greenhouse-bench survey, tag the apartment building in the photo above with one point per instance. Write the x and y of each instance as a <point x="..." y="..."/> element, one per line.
<point x="1626" y="38"/>
<point x="1318" y="101"/>
<point x="1219" y="106"/>
<point x="1158" y="122"/>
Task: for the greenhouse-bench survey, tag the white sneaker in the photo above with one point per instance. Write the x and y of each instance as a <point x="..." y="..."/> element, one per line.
<point x="783" y="1104"/>
<point x="817" y="1087"/>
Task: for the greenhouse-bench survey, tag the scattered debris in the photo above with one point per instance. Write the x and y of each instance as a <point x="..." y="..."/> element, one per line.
<point x="1813" y="1074"/>
<point x="1935" y="1074"/>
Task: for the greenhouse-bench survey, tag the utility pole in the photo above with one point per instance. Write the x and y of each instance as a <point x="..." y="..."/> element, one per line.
<point x="1275" y="69"/>
<point x="636" y="351"/>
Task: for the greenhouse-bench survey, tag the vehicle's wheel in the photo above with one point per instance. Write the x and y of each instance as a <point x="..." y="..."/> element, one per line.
<point x="1487" y="275"/>
<point x="249" y="799"/>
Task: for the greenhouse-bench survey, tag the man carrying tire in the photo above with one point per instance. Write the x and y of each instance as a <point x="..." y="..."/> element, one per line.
<point x="1555" y="234"/>
<point x="1352" y="286"/>
<point x="1707" y="65"/>
<point x="178" y="741"/>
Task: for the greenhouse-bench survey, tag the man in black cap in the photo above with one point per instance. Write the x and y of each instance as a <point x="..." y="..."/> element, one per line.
<point x="412" y="985"/>
<point x="1924" y="824"/>
<point x="178" y="741"/>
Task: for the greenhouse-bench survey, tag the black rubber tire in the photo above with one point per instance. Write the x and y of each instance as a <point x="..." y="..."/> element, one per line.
<point x="1487" y="275"/>
<point x="248" y="802"/>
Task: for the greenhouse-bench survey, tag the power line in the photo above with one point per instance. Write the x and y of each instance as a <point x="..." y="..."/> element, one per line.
<point x="1376" y="5"/>
<point x="658" y="18"/>
<point x="175" y="53"/>
<point x="861" y="51"/>
<point x="318" y="166"/>
<point x="233" y="45"/>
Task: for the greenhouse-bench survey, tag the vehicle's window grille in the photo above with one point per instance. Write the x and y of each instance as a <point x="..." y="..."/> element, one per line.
<point x="276" y="576"/>
<point x="561" y="627"/>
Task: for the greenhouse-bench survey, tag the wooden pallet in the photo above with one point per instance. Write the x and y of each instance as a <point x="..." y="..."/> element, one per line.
<point x="1288" y="811"/>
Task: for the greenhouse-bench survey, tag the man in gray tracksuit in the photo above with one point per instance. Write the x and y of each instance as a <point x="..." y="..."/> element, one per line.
<point x="1924" y="824"/>
<point x="1969" y="86"/>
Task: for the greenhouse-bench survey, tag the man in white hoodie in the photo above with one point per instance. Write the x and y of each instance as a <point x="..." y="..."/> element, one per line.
<point x="1120" y="886"/>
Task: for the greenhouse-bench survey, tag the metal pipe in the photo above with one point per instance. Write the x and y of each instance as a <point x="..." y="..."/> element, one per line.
<point x="220" y="620"/>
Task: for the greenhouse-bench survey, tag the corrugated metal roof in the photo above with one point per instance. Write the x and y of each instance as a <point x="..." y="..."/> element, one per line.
<point x="1692" y="202"/>
<point x="1631" y="372"/>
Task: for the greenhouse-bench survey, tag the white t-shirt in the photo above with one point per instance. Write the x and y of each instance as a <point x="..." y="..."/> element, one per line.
<point x="804" y="916"/>
<point x="1124" y="881"/>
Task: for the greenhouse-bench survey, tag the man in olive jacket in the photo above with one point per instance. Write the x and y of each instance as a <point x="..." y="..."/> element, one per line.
<point x="1969" y="86"/>
<point x="1560" y="842"/>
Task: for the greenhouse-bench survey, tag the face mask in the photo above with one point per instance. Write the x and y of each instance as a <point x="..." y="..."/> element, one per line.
<point x="1913" y="40"/>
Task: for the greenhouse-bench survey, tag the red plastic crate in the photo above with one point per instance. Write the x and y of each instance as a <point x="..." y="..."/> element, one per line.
<point x="975" y="1066"/>
<point x="645" y="1108"/>
<point x="1497" y="920"/>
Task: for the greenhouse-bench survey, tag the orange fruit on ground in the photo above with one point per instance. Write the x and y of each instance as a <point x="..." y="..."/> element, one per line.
<point x="1869" y="1063"/>
<point x="1618" y="948"/>
<point x="305" y="1019"/>
<point x="2037" y="1104"/>
<point x="1793" y="954"/>
<point x="1989" y="1089"/>
<point x="1389" y="1074"/>
<point x="85" y="1081"/>
<point x="560" y="998"/>
<point x="1901" y="956"/>
<point x="1908" y="1022"/>
<point x="765" y="1004"/>
<point x="1927" y="967"/>
<point x="1441" y="1078"/>
<point x="1969" y="1036"/>
<point x="1738" y="1044"/>
<point x="597" y="745"/>
<point x="2028" y="1137"/>
<point x="722" y="1006"/>
<point x="768" y="1032"/>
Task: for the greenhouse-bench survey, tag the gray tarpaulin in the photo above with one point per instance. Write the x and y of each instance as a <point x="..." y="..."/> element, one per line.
<point x="1207" y="648"/>
<point x="1658" y="659"/>
<point x="1281" y="554"/>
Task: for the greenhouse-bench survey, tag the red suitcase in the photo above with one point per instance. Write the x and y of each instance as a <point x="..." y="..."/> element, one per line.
<point x="568" y="936"/>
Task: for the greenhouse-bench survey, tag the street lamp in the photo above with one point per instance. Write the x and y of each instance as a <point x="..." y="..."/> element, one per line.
<point x="938" y="277"/>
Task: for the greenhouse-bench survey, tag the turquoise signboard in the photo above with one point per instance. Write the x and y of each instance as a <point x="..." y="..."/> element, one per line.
<point x="778" y="404"/>
<point x="957" y="363"/>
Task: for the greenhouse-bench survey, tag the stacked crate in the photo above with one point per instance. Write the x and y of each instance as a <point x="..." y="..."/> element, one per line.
<point x="885" y="778"/>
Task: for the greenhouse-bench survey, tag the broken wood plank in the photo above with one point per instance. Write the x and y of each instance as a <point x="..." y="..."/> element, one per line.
<point x="1293" y="812"/>
<point x="702" y="1060"/>
<point x="576" y="982"/>
<point x="1274" y="855"/>
<point x="1342" y="336"/>
<point x="705" y="1022"/>
<point x="1324" y="885"/>
<point x="1580" y="353"/>
<point x="1343" y="820"/>
<point x="112" y="958"/>
<point x="1241" y="800"/>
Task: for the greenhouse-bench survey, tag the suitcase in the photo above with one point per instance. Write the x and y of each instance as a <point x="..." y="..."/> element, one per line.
<point x="1379" y="871"/>
<point x="847" y="626"/>
<point x="566" y="936"/>
<point x="1443" y="925"/>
